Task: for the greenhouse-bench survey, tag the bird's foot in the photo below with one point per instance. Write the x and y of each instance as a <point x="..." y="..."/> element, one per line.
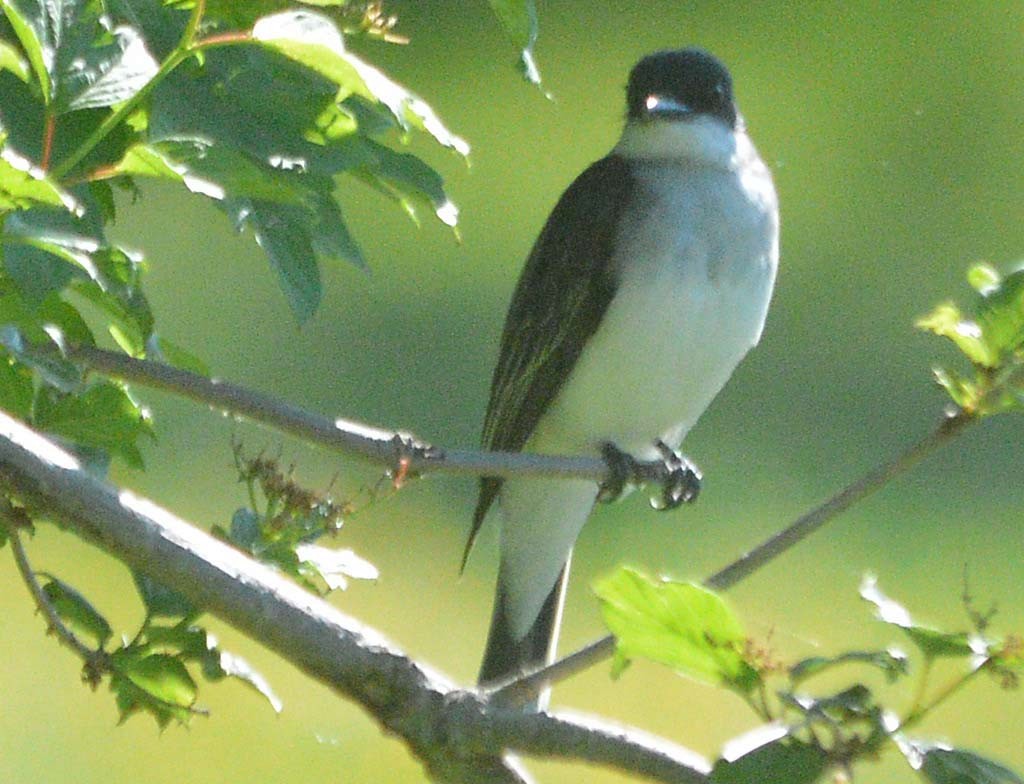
<point x="682" y="481"/>
<point x="622" y="468"/>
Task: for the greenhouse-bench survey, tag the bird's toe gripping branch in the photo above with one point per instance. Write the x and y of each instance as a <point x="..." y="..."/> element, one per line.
<point x="623" y="470"/>
<point x="680" y="479"/>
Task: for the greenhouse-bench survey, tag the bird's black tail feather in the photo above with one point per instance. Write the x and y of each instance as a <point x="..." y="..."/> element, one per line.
<point x="506" y="656"/>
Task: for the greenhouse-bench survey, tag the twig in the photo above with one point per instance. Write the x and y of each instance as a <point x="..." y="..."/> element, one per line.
<point x="766" y="552"/>
<point x="459" y="737"/>
<point x="387" y="447"/>
<point x="10" y="520"/>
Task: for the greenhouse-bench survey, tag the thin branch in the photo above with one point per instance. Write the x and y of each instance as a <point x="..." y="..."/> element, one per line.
<point x="10" y="520"/>
<point x="387" y="447"/>
<point x="776" y="545"/>
<point x="459" y="737"/>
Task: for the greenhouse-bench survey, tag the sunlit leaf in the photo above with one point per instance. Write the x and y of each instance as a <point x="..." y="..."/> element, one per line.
<point x="336" y="567"/>
<point x="681" y="625"/>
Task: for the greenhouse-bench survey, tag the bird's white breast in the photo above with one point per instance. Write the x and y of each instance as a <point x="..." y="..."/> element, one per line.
<point x="696" y="265"/>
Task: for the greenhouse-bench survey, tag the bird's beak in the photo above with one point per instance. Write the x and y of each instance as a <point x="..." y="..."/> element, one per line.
<point x="663" y="106"/>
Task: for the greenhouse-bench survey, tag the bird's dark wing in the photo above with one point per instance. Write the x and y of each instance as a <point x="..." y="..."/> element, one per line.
<point x="558" y="303"/>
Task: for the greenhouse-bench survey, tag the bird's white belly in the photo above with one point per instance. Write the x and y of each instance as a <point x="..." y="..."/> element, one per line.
<point x="668" y="343"/>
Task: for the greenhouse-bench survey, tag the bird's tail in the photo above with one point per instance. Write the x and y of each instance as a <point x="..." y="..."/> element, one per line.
<point x="507" y="656"/>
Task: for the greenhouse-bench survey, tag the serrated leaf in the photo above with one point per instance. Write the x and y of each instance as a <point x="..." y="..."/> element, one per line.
<point x="770" y="755"/>
<point x="75" y="610"/>
<point x="312" y="39"/>
<point x="110" y="74"/>
<point x="78" y="62"/>
<point x="283" y="234"/>
<point x="334" y="566"/>
<point x="409" y="179"/>
<point x="160" y="676"/>
<point x="519" y="18"/>
<point x="931" y="642"/>
<point x="681" y="625"/>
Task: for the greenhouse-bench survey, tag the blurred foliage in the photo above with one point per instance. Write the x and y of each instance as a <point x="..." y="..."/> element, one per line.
<point x="807" y="735"/>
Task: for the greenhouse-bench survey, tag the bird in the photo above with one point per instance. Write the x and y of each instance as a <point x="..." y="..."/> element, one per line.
<point x="647" y="285"/>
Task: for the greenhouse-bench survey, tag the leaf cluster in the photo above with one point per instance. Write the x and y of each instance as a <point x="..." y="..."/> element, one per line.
<point x="807" y="734"/>
<point x="283" y="523"/>
<point x="991" y="336"/>
<point x="262" y="109"/>
<point x="154" y="671"/>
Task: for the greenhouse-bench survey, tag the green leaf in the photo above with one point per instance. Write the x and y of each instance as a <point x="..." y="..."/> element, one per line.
<point x="983" y="278"/>
<point x="892" y="662"/>
<point x="23" y="185"/>
<point x="947" y="321"/>
<point x="47" y="250"/>
<point x="780" y="758"/>
<point x="28" y="35"/>
<point x="161" y="601"/>
<point x="161" y="349"/>
<point x="103" y="416"/>
<point x="931" y="642"/>
<point x="281" y="233"/>
<point x="1001" y="314"/>
<point x="53" y="369"/>
<point x="519" y="18"/>
<point x="15" y="388"/>
<point x="408" y="179"/>
<point x="942" y="764"/>
<point x="681" y="625"/>
<point x="313" y="40"/>
<point x="79" y="63"/>
<point x="75" y="610"/>
<point x="160" y="676"/>
<point x="11" y="60"/>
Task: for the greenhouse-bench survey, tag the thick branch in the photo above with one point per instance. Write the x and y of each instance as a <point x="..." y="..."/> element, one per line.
<point x="454" y="732"/>
<point x="387" y="447"/>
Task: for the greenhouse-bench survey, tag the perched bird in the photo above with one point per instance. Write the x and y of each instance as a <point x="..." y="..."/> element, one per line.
<point x="646" y="287"/>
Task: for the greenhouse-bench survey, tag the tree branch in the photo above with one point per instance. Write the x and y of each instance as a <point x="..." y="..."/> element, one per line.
<point x="396" y="449"/>
<point x="774" y="546"/>
<point x="457" y="735"/>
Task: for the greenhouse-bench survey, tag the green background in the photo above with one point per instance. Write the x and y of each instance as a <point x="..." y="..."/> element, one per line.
<point x="894" y="131"/>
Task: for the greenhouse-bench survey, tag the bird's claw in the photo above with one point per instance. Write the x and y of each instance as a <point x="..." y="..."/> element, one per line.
<point x="682" y="481"/>
<point x="622" y="470"/>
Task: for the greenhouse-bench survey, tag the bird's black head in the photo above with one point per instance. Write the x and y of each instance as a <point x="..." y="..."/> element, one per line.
<point x="680" y="84"/>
